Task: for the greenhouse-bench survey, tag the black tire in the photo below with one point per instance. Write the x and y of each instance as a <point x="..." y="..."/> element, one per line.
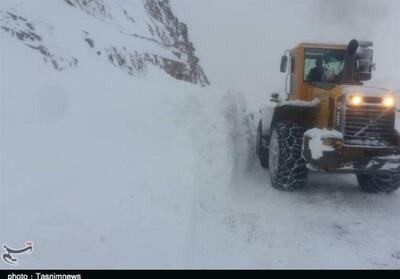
<point x="379" y="183"/>
<point x="262" y="147"/>
<point x="288" y="169"/>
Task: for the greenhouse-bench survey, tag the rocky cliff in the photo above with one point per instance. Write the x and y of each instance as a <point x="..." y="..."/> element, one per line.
<point x="133" y="35"/>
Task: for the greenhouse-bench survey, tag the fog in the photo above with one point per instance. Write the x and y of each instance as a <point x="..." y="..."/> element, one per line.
<point x="240" y="42"/>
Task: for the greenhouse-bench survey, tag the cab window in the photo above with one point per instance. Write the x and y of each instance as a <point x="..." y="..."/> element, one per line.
<point x="323" y="65"/>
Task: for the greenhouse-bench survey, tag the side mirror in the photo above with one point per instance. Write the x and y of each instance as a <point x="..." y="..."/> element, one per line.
<point x="274" y="97"/>
<point x="284" y="63"/>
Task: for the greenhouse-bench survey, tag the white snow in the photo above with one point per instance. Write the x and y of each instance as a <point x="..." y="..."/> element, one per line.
<point x="104" y="170"/>
<point x="316" y="144"/>
<point x="298" y="103"/>
<point x="99" y="169"/>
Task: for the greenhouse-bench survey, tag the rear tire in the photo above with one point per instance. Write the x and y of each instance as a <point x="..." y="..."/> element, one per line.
<point x="379" y="183"/>
<point x="262" y="147"/>
<point x="288" y="169"/>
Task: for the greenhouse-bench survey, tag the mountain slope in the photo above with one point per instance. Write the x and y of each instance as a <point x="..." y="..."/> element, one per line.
<point x="98" y="168"/>
<point x="132" y="35"/>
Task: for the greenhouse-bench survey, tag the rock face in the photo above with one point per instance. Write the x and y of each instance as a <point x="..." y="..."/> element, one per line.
<point x="28" y="32"/>
<point x="131" y="34"/>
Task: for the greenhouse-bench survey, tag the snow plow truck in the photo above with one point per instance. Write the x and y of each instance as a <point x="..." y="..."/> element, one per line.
<point x="328" y="120"/>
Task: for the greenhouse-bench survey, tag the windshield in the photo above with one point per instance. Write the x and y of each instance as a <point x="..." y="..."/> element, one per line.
<point x="323" y="65"/>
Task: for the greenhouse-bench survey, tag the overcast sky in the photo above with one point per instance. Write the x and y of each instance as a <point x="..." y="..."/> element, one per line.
<point x="240" y="42"/>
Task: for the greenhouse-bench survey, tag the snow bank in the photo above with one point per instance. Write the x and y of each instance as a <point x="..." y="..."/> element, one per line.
<point x="100" y="169"/>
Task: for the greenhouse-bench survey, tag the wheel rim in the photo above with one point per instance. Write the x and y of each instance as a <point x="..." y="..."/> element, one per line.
<point x="273" y="154"/>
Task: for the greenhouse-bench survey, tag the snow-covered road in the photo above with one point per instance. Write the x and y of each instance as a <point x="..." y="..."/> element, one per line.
<point x="329" y="224"/>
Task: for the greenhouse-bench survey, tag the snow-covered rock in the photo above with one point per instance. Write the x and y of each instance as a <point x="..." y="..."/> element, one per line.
<point x="132" y="35"/>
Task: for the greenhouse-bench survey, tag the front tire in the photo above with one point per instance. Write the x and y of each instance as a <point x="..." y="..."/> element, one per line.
<point x="288" y="169"/>
<point x="262" y="147"/>
<point x="379" y="183"/>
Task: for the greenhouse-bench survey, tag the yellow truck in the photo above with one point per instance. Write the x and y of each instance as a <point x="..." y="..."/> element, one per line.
<point x="327" y="120"/>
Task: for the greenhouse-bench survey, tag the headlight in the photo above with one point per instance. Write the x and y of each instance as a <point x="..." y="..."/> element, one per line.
<point x="388" y="101"/>
<point x="356" y="100"/>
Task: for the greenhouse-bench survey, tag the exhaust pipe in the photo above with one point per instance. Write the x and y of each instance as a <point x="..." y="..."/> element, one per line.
<point x="349" y="75"/>
<point x="358" y="62"/>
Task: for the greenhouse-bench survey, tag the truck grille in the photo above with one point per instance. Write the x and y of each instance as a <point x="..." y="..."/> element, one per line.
<point x="380" y="120"/>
